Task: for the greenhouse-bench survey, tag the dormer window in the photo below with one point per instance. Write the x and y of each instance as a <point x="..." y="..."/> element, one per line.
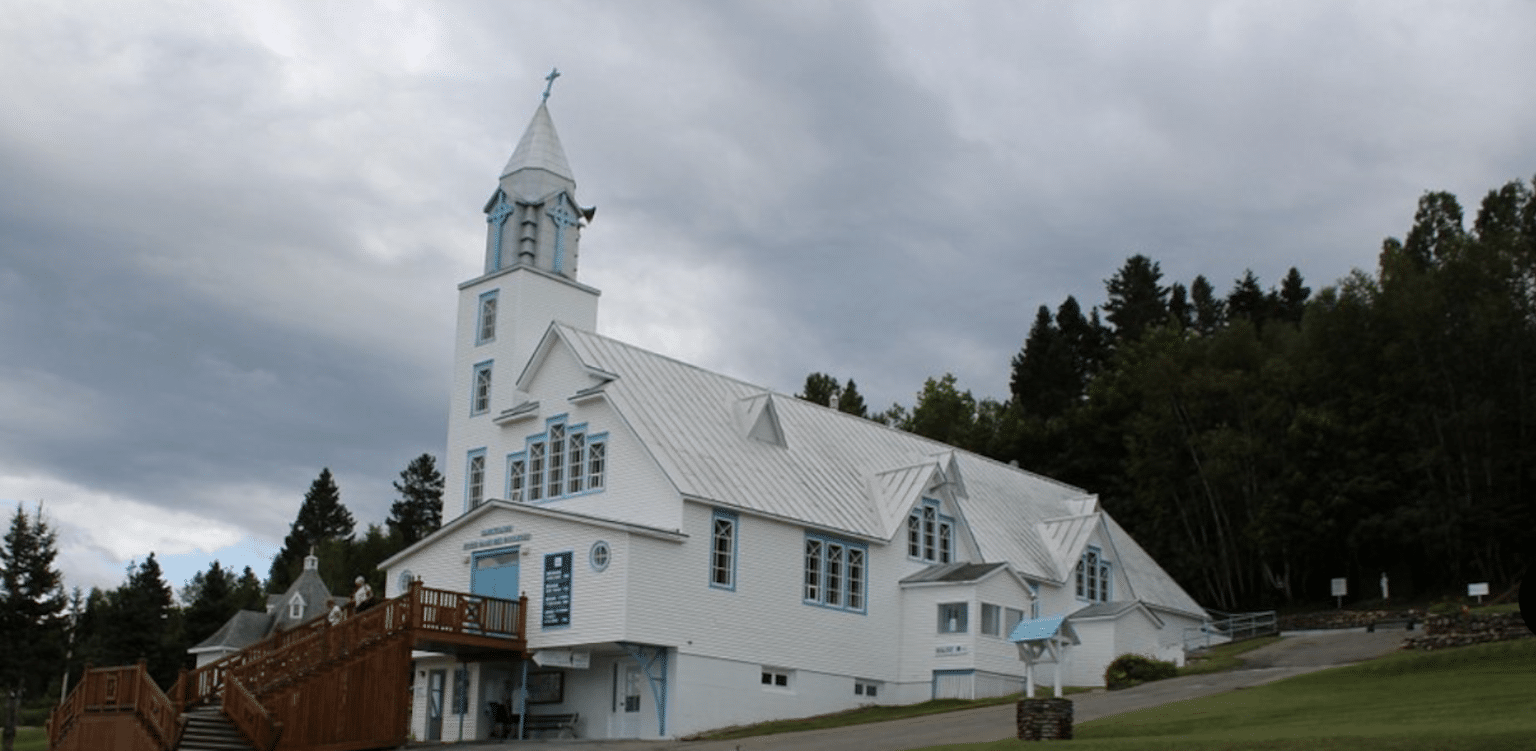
<point x="1093" y="576"/>
<point x="930" y="535"/>
<point x="296" y="607"/>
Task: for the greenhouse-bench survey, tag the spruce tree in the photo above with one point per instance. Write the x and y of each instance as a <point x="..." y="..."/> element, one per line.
<point x="32" y="603"/>
<point x="419" y="509"/>
<point x="851" y="401"/>
<point x="321" y="517"/>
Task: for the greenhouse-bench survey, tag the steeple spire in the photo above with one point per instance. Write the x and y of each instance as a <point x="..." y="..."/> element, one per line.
<point x="533" y="219"/>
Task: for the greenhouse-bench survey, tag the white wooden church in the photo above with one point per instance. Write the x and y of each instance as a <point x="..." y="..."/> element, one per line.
<point x="700" y="552"/>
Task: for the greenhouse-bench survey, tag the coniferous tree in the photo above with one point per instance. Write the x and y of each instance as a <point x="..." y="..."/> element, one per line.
<point x="1247" y="301"/>
<point x="819" y="389"/>
<point x="140" y="621"/>
<point x="1137" y="301"/>
<point x="419" y="510"/>
<point x="851" y="401"/>
<point x="1209" y="312"/>
<point x="1292" y="300"/>
<point x="210" y="601"/>
<point x="322" y="517"/>
<point x="32" y="603"/>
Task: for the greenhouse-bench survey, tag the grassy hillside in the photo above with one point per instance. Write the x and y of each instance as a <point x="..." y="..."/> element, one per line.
<point x="1478" y="697"/>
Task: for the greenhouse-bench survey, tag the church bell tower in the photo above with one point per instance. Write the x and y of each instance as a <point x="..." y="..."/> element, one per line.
<point x="532" y="245"/>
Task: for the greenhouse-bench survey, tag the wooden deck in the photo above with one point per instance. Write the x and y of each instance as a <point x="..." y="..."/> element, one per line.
<point x="319" y="686"/>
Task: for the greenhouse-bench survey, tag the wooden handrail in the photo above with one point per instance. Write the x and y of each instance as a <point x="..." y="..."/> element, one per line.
<point x="241" y="681"/>
<point x="123" y="690"/>
<point x="249" y="716"/>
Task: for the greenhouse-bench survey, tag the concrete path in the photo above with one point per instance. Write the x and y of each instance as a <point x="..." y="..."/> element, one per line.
<point x="1299" y="653"/>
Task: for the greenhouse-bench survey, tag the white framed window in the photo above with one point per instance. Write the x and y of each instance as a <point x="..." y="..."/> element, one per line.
<point x="480" y="398"/>
<point x="1093" y="576"/>
<point x="556" y="460"/>
<point x="486" y="331"/>
<point x="576" y="444"/>
<point x="516" y="465"/>
<point x="991" y="619"/>
<point x="597" y="463"/>
<point x="474" y="478"/>
<point x="1034" y="602"/>
<point x="722" y="550"/>
<point x="835" y="573"/>
<point x="866" y="688"/>
<point x="776" y="678"/>
<point x="1011" y="619"/>
<point x="954" y="617"/>
<point x="296" y="607"/>
<point x="930" y="535"/>
<point x="564" y="460"/>
<point x="535" y="483"/>
<point x="600" y="555"/>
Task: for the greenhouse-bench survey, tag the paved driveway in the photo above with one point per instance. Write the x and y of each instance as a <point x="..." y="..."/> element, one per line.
<point x="1294" y="655"/>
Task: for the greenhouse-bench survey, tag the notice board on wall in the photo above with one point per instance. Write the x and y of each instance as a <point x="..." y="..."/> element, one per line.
<point x="557" y="589"/>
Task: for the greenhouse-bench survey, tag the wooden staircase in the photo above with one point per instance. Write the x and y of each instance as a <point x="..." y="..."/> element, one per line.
<point x="341" y="687"/>
<point x="207" y="729"/>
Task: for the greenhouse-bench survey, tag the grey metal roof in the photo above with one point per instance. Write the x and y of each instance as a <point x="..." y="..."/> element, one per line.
<point x="243" y="628"/>
<point x="839" y="472"/>
<point x="317" y="600"/>
<point x="953" y="572"/>
<point x="1102" y="609"/>
<point x="540" y="148"/>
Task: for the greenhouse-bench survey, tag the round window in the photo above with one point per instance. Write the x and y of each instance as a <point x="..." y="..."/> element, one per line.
<point x="600" y="555"/>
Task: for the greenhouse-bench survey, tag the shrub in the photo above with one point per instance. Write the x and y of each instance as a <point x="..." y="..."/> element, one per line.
<point x="1133" y="669"/>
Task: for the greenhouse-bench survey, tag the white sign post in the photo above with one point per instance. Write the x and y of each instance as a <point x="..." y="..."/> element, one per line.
<point x="1340" y="588"/>
<point x="1477" y="590"/>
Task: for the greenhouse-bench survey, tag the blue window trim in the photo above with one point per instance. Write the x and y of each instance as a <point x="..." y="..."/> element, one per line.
<point x="735" y="551"/>
<point x="520" y="456"/>
<point x="940" y="520"/>
<point x="469" y="475"/>
<point x="474" y="387"/>
<point x="821" y="589"/>
<point x="1104" y="594"/>
<point x="962" y="626"/>
<point x="480" y="337"/>
<point x="497" y="218"/>
<point x="589" y="439"/>
<point x="592" y="557"/>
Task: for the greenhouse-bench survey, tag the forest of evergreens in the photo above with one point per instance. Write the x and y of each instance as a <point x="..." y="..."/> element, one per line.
<point x="1260" y="443"/>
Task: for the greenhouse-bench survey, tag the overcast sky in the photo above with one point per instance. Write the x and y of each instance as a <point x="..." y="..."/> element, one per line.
<point x="231" y="232"/>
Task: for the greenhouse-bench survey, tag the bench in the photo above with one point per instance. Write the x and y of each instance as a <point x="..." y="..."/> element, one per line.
<point x="1406" y="623"/>
<point x="556" y="722"/>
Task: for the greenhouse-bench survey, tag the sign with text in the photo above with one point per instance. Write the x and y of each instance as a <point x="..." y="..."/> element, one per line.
<point x="562" y="658"/>
<point x="1477" y="590"/>
<point x="557" y="589"/>
<point x="1340" y="587"/>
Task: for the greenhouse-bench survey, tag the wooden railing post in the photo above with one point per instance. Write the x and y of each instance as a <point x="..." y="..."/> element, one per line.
<point x="522" y="616"/>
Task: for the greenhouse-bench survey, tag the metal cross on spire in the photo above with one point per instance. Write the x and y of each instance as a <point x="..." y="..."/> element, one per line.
<point x="553" y="74"/>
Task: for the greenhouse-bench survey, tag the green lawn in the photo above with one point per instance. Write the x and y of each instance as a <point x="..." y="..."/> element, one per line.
<point x="31" y="739"/>
<point x="1478" y="697"/>
<point x="1226" y="656"/>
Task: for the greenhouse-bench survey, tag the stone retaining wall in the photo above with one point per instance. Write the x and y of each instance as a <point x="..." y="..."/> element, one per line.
<point x="1344" y="619"/>
<point x="1441" y="631"/>
<point x="1045" y="719"/>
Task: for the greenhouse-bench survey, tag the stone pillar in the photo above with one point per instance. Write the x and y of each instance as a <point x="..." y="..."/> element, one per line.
<point x="1045" y="719"/>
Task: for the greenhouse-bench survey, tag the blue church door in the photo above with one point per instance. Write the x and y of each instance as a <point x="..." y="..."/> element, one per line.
<point x="495" y="574"/>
